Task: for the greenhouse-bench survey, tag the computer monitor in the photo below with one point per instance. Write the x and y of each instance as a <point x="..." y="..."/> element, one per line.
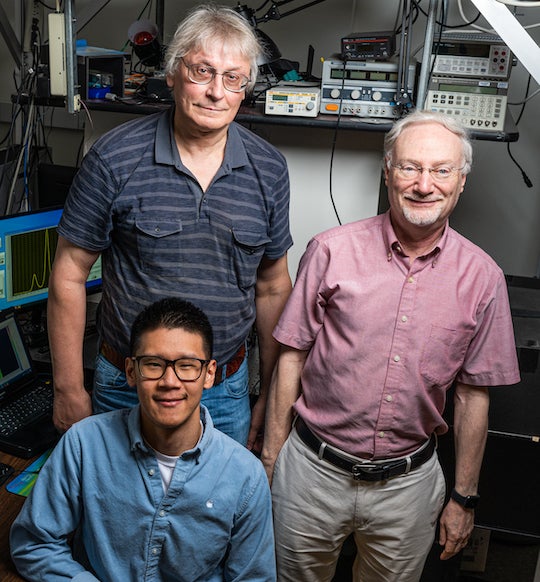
<point x="27" y="246"/>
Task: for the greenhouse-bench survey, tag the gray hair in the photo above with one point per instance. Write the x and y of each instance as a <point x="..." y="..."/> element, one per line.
<point x="208" y="24"/>
<point x="452" y="124"/>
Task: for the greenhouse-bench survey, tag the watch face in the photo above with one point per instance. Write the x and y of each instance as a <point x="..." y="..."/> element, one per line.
<point x="467" y="501"/>
<point x="471" y="501"/>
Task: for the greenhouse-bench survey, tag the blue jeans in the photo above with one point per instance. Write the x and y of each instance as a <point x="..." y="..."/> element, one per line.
<point x="111" y="390"/>
<point x="228" y="402"/>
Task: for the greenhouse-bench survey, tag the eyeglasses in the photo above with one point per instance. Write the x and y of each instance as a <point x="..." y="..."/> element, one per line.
<point x="204" y="74"/>
<point x="412" y="172"/>
<point x="154" y="367"/>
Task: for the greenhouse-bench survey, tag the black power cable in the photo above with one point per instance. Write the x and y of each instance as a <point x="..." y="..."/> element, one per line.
<point x="526" y="179"/>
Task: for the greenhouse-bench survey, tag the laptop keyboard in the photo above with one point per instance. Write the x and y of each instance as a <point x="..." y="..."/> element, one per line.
<point x="24" y="410"/>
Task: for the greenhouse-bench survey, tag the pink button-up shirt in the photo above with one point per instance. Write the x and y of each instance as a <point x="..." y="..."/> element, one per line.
<point x="386" y="339"/>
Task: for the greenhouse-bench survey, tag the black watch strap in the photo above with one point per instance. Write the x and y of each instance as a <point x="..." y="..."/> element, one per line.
<point x="467" y="501"/>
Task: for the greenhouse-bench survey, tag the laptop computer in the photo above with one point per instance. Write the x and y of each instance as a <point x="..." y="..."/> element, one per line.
<point x="26" y="426"/>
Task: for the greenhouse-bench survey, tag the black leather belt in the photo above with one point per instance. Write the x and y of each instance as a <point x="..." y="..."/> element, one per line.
<point x="365" y="470"/>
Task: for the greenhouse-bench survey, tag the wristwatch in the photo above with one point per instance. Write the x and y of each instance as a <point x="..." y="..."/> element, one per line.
<point x="466" y="501"/>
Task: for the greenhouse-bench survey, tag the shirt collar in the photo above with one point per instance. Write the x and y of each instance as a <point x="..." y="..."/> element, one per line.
<point x="163" y="150"/>
<point x="392" y="244"/>
<point x="166" y="152"/>
<point x="137" y="441"/>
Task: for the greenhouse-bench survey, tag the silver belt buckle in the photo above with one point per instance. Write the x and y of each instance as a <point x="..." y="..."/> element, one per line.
<point x="366" y="471"/>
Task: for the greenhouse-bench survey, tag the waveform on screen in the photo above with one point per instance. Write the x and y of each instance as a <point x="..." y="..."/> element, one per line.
<point x="33" y="254"/>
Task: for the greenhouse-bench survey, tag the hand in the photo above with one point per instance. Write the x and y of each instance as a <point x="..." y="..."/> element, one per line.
<point x="70" y="407"/>
<point x="456" y="526"/>
<point x="256" y="429"/>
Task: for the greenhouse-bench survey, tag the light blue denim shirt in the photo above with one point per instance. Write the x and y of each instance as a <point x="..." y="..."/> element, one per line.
<point x="214" y="523"/>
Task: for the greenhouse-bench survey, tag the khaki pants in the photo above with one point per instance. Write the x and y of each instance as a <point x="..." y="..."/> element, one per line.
<point x="317" y="505"/>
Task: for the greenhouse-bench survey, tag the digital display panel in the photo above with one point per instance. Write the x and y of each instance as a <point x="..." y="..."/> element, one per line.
<point x="468" y="89"/>
<point x="337" y="74"/>
<point x="464" y="49"/>
<point x="358" y="75"/>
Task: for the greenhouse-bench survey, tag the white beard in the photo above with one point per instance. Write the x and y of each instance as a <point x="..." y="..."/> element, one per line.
<point x="425" y="217"/>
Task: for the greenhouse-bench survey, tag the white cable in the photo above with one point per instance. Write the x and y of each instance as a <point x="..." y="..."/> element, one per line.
<point x="29" y="123"/>
<point x="520" y="3"/>
<point x="354" y="12"/>
<point x="88" y="115"/>
<point x="527" y="99"/>
<point x="491" y="30"/>
<point x="465" y="19"/>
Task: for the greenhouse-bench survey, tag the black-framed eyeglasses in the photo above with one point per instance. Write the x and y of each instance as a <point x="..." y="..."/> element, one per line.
<point x="154" y="367"/>
<point x="202" y="74"/>
<point x="413" y="172"/>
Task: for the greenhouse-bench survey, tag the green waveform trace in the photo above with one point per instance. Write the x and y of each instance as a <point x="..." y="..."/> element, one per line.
<point x="32" y="256"/>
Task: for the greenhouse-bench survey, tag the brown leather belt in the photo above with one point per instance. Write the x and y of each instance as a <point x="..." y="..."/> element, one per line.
<point x="365" y="470"/>
<point x="114" y="357"/>
<point x="232" y="366"/>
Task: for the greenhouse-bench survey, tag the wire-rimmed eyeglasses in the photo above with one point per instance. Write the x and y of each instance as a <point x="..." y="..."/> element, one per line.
<point x="154" y="367"/>
<point x="202" y="74"/>
<point x="413" y="172"/>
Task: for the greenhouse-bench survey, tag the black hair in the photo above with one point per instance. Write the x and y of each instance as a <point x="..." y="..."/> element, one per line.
<point x="172" y="313"/>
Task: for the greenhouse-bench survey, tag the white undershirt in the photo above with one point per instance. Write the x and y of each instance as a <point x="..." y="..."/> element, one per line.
<point x="167" y="464"/>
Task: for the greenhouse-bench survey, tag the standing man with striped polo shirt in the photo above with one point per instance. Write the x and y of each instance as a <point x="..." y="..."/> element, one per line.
<point x="183" y="203"/>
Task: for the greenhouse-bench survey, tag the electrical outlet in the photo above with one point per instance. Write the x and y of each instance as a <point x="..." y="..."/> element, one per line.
<point x="33" y="16"/>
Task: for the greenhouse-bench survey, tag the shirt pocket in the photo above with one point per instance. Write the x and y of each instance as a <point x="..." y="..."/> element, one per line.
<point x="444" y="353"/>
<point x="158" y="242"/>
<point x="247" y="251"/>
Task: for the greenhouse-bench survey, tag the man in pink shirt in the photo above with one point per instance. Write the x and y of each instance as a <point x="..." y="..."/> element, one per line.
<point x="386" y="315"/>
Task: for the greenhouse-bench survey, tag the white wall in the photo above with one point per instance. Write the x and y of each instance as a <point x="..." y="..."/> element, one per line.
<point x="497" y="210"/>
<point x="355" y="179"/>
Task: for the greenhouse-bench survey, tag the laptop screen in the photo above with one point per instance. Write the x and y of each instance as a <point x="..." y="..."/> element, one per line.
<point x="15" y="365"/>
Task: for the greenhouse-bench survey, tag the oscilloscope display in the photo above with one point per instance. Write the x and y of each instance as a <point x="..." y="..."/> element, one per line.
<point x="33" y="253"/>
<point x="27" y="247"/>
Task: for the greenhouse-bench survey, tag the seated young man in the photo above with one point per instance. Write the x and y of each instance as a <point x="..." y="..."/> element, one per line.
<point x="154" y="492"/>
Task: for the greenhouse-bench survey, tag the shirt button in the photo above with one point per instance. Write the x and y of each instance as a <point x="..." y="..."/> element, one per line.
<point x="389" y="398"/>
<point x="155" y="551"/>
<point x="157" y="229"/>
<point x="410" y="279"/>
<point x="381" y="434"/>
<point x="151" y="472"/>
<point x="162" y="513"/>
<point x="397" y="358"/>
<point x="404" y="318"/>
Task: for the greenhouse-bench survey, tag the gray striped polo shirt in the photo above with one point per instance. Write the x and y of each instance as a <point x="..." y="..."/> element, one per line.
<point x="160" y="235"/>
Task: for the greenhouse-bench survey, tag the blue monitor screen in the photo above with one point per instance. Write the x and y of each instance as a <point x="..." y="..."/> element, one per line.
<point x="27" y="246"/>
